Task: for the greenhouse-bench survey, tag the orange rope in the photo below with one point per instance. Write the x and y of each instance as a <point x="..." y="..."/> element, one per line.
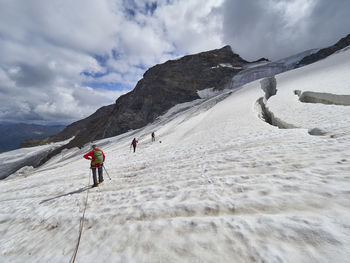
<point x="81" y="223"/>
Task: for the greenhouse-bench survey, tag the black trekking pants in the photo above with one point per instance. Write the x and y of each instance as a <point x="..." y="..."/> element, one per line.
<point x="100" y="174"/>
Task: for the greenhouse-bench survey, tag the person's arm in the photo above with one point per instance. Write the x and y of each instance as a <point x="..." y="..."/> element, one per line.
<point x="89" y="155"/>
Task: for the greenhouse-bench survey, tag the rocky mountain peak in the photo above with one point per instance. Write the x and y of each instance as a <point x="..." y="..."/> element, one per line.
<point x="162" y="87"/>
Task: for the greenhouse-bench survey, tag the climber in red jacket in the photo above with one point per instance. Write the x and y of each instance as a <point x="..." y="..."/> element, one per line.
<point x="97" y="157"/>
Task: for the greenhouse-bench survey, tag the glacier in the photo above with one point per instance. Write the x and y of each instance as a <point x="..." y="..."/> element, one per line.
<point x="220" y="184"/>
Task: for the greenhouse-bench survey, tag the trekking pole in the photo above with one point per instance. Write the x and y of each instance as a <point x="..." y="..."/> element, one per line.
<point x="107" y="172"/>
<point x="90" y="171"/>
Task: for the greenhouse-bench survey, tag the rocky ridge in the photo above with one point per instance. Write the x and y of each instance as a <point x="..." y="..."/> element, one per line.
<point x="325" y="52"/>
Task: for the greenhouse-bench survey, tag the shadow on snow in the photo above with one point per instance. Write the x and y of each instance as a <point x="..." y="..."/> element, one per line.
<point x="70" y="193"/>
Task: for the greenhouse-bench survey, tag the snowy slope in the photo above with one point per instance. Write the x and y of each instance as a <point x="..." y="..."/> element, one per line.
<point x="25" y="158"/>
<point x="222" y="186"/>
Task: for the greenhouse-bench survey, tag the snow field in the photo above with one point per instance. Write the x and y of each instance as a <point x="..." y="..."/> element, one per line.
<point x="222" y="186"/>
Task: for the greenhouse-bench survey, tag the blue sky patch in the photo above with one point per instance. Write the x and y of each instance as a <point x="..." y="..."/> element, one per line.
<point x="151" y="7"/>
<point x="131" y="8"/>
<point x="107" y="85"/>
<point x="102" y="60"/>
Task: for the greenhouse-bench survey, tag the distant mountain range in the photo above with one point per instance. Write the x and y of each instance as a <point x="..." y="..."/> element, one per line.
<point x="12" y="134"/>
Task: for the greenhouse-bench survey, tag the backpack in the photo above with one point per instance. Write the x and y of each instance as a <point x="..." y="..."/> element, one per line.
<point x="98" y="155"/>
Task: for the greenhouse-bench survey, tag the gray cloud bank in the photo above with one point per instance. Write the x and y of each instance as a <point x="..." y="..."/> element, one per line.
<point x="59" y="60"/>
<point x="279" y="28"/>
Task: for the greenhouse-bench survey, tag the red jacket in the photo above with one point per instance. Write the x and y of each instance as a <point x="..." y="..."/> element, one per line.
<point x="91" y="156"/>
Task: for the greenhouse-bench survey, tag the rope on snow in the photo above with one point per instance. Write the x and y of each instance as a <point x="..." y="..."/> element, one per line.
<point x="81" y="223"/>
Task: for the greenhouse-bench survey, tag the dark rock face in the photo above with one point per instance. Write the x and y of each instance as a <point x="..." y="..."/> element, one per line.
<point x="261" y="60"/>
<point x="325" y="52"/>
<point x="176" y="81"/>
<point x="162" y="87"/>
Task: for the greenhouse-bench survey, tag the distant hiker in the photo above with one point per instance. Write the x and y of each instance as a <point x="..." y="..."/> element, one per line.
<point x="97" y="157"/>
<point x="153" y="137"/>
<point x="134" y="143"/>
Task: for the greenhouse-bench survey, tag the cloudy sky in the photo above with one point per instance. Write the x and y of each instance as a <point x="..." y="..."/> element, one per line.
<point x="60" y="60"/>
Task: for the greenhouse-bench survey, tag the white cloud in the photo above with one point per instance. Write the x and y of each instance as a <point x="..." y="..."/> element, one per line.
<point x="44" y="48"/>
<point x="193" y="26"/>
<point x="54" y="54"/>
